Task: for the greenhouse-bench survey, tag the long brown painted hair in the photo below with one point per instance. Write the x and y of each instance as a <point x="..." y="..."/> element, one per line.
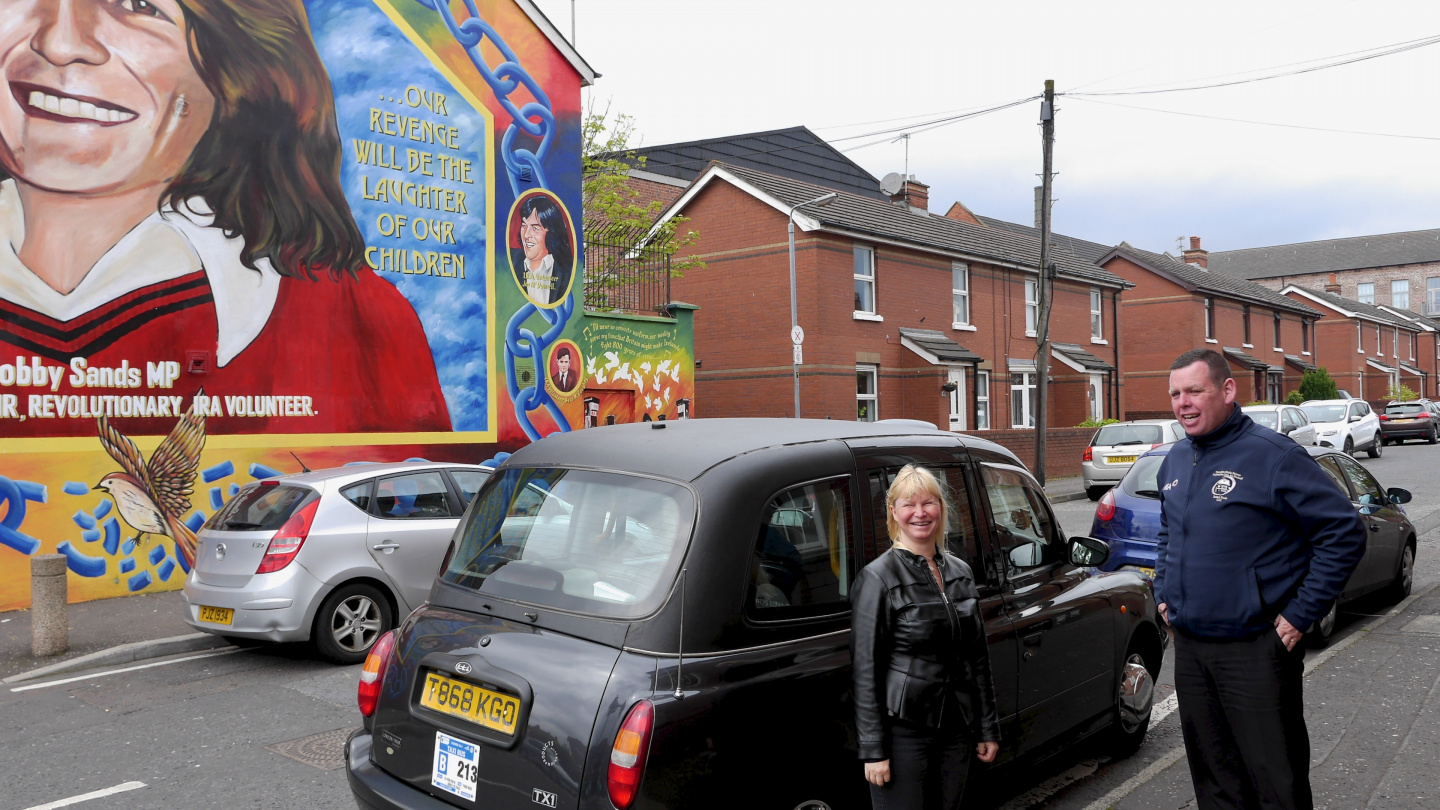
<point x="269" y="165"/>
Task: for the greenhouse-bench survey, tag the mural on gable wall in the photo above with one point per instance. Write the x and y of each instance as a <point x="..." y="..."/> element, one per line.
<point x="233" y="231"/>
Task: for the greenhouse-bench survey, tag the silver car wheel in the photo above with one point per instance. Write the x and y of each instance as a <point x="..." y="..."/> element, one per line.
<point x="1137" y="694"/>
<point x="355" y="624"/>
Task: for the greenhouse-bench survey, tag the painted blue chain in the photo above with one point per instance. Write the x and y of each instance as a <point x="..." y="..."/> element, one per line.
<point x="535" y="119"/>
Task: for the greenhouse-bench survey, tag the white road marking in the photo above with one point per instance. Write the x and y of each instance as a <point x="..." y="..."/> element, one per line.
<point x="1178" y="753"/>
<point x="103" y="673"/>
<point x="1163" y="709"/>
<point x="98" y="794"/>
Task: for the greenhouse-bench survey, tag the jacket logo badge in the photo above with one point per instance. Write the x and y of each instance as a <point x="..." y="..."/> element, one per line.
<point x="1227" y="484"/>
<point x="1172" y="485"/>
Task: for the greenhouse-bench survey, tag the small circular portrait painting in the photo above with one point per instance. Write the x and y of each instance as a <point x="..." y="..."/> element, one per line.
<point x="541" y="238"/>
<point x="565" y="369"/>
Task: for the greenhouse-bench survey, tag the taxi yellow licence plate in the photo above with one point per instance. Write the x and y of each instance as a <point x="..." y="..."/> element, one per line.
<point x="1123" y="459"/>
<point x="216" y="615"/>
<point x="469" y="702"/>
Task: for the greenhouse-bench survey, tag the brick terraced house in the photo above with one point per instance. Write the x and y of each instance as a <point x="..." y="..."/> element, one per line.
<point x="1268" y="338"/>
<point x="906" y="314"/>
<point x="1369" y="349"/>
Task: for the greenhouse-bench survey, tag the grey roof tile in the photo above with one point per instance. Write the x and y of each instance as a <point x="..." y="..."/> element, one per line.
<point x="1244" y="359"/>
<point x="1084" y="358"/>
<point x="1215" y="283"/>
<point x="1085" y="249"/>
<point x="1330" y="255"/>
<point x="1368" y="310"/>
<point x="947" y="350"/>
<point x="882" y="218"/>
<point x="1299" y="362"/>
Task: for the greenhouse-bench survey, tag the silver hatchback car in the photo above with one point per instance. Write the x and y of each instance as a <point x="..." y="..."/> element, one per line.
<point x="331" y="556"/>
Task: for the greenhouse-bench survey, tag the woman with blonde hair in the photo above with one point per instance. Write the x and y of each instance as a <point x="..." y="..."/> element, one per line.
<point x="923" y="692"/>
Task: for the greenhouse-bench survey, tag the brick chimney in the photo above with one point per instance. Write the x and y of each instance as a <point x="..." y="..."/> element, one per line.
<point x="960" y="213"/>
<point x="1332" y="286"/>
<point x="1195" y="255"/>
<point x="914" y="194"/>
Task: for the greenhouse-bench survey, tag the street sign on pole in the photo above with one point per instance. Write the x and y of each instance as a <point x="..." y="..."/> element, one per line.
<point x="799" y="357"/>
<point x="797" y="335"/>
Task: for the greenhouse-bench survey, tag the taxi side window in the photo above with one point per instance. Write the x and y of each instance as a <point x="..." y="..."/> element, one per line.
<point x="802" y="561"/>
<point x="961" y="536"/>
<point x="1025" y="532"/>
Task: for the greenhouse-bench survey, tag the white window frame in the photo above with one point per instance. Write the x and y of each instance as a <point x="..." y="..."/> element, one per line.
<point x="960" y="294"/>
<point x="1245" y="317"/>
<point x="1412" y="344"/>
<point x="982" y="415"/>
<point x="1210" y="320"/>
<point x="869" y="252"/>
<point x="1395" y="285"/>
<point x="1359" y="338"/>
<point x="1379" y="349"/>
<point x="1361" y="294"/>
<point x="1025" y="391"/>
<point x="1277" y="327"/>
<point x="1032" y="306"/>
<point x="872" y="398"/>
<point x="1097" y="314"/>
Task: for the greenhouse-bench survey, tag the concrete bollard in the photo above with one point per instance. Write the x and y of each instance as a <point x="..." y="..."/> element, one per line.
<point x="49" y="613"/>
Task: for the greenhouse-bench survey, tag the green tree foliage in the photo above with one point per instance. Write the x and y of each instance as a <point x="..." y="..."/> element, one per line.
<point x="606" y="157"/>
<point x="1091" y="422"/>
<point x="1316" y="384"/>
<point x="1294" y="397"/>
<point x="1400" y="393"/>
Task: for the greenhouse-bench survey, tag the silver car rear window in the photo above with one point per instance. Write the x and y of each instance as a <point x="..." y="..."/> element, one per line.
<point x="259" y="508"/>
<point x="592" y="542"/>
<point x="1111" y="435"/>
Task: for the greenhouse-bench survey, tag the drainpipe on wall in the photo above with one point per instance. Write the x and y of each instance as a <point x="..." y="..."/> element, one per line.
<point x="1115" y="378"/>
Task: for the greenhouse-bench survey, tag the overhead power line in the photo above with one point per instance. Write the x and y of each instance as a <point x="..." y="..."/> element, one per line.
<point x="1328" y="62"/>
<point x="926" y="126"/>
<point x="1262" y="123"/>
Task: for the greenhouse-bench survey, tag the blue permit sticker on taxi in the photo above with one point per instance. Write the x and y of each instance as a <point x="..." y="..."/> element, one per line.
<point x="457" y="766"/>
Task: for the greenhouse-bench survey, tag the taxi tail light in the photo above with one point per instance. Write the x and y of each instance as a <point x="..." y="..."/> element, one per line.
<point x="1089" y="454"/>
<point x="1105" y="510"/>
<point x="372" y="675"/>
<point x="287" y="542"/>
<point x="627" y="756"/>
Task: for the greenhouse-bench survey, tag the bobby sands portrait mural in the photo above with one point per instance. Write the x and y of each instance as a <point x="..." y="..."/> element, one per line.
<point x="171" y="203"/>
<point x="542" y="252"/>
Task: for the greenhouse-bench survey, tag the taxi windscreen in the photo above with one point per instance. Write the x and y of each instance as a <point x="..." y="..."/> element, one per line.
<point x="602" y="543"/>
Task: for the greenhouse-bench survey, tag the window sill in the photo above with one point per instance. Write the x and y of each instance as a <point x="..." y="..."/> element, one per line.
<point x="1029" y="333"/>
<point x="1099" y="341"/>
<point x="1247" y="345"/>
<point x="1305" y="354"/>
<point x="868" y="316"/>
<point x="1211" y="340"/>
<point x="1359" y="351"/>
<point x="1277" y="349"/>
<point x="963" y="327"/>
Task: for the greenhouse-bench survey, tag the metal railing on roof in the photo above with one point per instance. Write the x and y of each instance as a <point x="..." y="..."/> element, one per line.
<point x="626" y="271"/>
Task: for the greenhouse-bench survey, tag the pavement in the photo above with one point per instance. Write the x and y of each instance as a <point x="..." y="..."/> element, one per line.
<point x="1063" y="490"/>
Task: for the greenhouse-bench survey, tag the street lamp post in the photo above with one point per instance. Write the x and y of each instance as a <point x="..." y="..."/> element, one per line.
<point x="794" y="321"/>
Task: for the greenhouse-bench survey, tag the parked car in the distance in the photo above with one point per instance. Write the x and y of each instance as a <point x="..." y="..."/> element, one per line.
<point x="331" y="556"/>
<point x="561" y="660"/>
<point x="1287" y="419"/>
<point x="1412" y="419"/>
<point x="1345" y="424"/>
<point x="1115" y="447"/>
<point x="1128" y="518"/>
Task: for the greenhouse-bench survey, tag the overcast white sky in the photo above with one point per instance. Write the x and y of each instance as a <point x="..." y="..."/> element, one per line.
<point x="691" y="69"/>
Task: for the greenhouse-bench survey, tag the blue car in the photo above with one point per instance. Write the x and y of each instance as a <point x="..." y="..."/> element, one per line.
<point x="1128" y="516"/>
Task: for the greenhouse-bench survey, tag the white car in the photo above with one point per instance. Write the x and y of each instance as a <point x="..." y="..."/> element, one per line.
<point x="1114" y="448"/>
<point x="1286" y="419"/>
<point x="1345" y="424"/>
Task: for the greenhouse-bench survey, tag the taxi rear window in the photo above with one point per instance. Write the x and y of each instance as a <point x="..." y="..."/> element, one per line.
<point x="1113" y="435"/>
<point x="602" y="543"/>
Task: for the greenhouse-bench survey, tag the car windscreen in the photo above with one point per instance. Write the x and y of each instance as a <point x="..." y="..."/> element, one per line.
<point x="602" y="543"/>
<point x="1143" y="478"/>
<point x="259" y="508"/>
<point x="1264" y="418"/>
<point x="1404" y="408"/>
<point x="1324" y="413"/>
<point x="1112" y="435"/>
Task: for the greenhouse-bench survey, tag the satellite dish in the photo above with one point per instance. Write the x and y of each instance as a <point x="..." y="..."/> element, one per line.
<point x="892" y="183"/>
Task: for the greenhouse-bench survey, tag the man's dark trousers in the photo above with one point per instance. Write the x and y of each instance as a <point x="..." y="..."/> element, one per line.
<point x="1242" y="713"/>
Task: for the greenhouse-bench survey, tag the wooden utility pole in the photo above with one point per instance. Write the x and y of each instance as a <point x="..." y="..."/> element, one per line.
<point x="1042" y="287"/>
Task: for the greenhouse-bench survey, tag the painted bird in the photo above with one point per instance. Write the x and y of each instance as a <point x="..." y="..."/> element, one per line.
<point x="151" y="497"/>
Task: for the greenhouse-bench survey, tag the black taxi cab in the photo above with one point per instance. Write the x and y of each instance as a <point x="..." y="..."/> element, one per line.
<point x="657" y="615"/>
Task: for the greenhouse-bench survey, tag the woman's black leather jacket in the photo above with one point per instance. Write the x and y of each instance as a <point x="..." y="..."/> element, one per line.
<point x="918" y="654"/>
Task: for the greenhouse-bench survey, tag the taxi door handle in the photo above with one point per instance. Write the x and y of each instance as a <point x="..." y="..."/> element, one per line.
<point x="386" y="547"/>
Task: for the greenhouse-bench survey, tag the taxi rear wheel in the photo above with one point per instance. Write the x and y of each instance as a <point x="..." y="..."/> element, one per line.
<point x="349" y="622"/>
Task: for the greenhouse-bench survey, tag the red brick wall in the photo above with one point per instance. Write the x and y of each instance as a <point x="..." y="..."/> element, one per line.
<point x="1063" y="447"/>
<point x="741" y="330"/>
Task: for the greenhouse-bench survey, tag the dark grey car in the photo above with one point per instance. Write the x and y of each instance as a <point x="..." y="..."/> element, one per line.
<point x="657" y="615"/>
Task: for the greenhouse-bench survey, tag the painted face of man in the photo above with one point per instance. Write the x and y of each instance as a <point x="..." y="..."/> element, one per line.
<point x="101" y="94"/>
<point x="1195" y="399"/>
<point x="563" y="363"/>
<point x="532" y="238"/>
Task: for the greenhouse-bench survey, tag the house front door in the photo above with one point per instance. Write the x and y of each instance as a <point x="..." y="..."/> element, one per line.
<point x="957" y="399"/>
<point x="1097" y="397"/>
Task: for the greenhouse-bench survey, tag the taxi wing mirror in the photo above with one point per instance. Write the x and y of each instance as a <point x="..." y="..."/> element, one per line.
<point x="1088" y="551"/>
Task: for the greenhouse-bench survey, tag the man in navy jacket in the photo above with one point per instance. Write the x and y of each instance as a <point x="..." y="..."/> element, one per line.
<point x="1255" y="544"/>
